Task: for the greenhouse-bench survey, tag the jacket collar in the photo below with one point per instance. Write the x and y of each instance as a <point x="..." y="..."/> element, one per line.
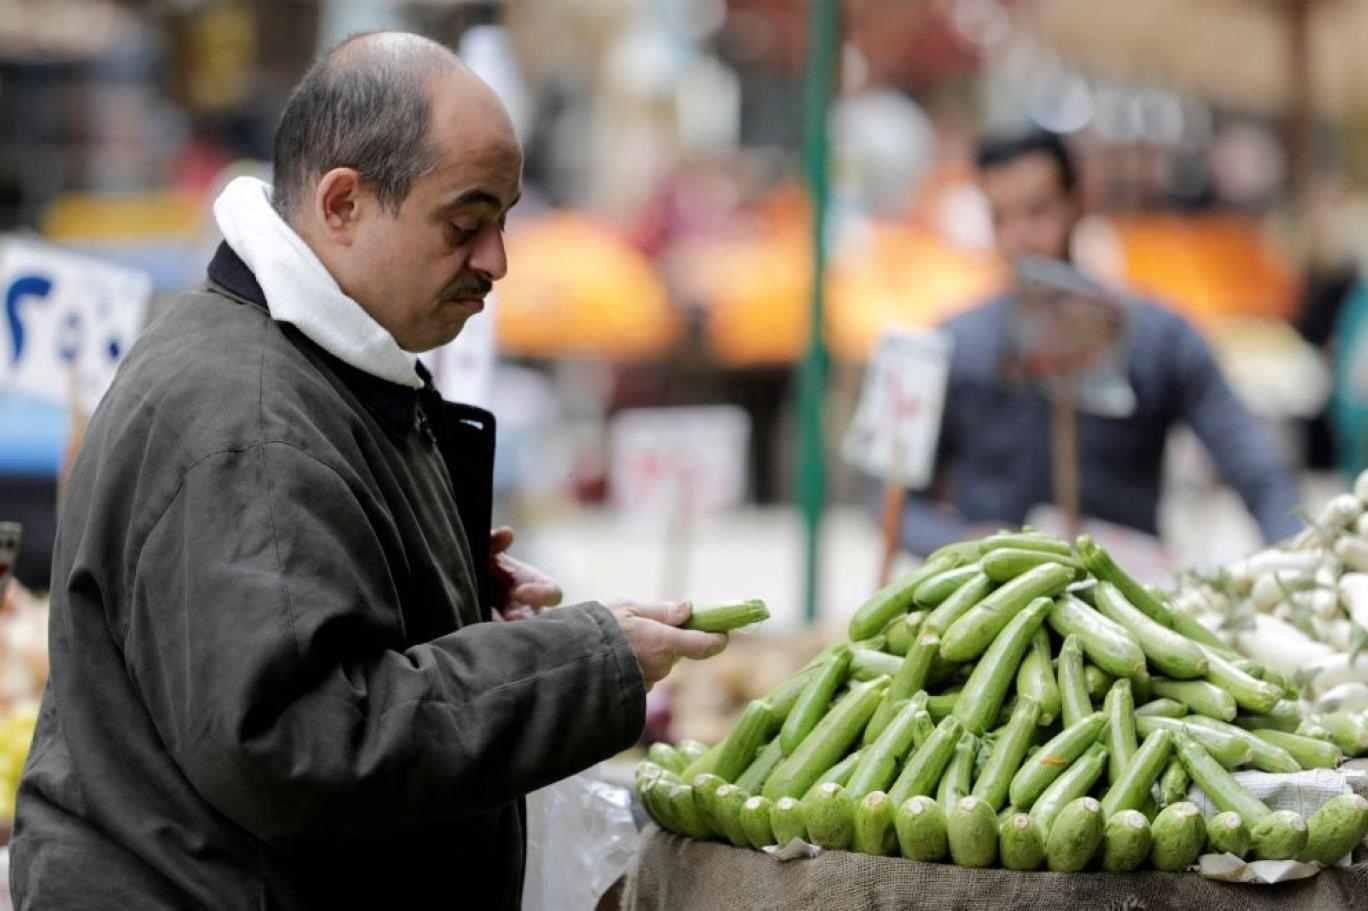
<point x="396" y="405"/>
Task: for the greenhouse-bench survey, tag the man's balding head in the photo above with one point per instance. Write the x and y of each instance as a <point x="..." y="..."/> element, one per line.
<point x="366" y="104"/>
<point x="397" y="165"/>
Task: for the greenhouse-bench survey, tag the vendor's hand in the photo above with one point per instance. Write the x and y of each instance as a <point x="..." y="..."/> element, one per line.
<point x="522" y="589"/>
<point x="653" y="633"/>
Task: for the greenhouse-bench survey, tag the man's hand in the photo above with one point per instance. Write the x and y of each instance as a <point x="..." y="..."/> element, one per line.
<point x="653" y="633"/>
<point x="522" y="590"/>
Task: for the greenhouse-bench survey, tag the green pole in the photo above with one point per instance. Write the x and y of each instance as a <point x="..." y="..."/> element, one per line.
<point x="823" y="44"/>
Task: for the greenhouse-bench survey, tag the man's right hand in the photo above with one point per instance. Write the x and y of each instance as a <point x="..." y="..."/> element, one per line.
<point x="653" y="633"/>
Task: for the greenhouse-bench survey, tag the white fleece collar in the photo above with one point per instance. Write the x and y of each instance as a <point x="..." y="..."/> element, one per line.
<point x="300" y="291"/>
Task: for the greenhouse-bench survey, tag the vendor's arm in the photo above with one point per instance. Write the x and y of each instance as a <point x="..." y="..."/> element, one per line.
<point x="266" y="638"/>
<point x="1243" y="450"/>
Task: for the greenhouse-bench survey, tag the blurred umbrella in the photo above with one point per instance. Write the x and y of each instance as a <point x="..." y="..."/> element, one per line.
<point x="899" y="276"/>
<point x="1210" y="267"/>
<point x="576" y="289"/>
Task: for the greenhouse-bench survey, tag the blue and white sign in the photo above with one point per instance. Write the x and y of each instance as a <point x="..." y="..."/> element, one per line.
<point x="68" y="321"/>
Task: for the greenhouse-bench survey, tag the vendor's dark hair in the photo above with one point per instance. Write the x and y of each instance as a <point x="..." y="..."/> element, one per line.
<point x="364" y="107"/>
<point x="995" y="150"/>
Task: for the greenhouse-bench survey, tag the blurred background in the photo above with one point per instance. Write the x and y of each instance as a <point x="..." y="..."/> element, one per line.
<point x="662" y="257"/>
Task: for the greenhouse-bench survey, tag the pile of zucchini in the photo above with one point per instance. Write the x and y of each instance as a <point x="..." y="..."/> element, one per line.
<point x="1021" y="702"/>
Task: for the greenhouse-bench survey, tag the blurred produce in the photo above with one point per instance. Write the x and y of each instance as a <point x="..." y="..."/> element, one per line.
<point x="1300" y="608"/>
<point x="1208" y="267"/>
<point x="575" y="289"/>
<point x="852" y="749"/>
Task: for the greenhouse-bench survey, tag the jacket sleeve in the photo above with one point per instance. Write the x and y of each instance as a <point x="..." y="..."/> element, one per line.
<point x="1243" y="450"/>
<point x="264" y="635"/>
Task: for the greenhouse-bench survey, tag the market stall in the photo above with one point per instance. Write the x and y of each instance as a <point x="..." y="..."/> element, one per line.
<point x="1020" y="717"/>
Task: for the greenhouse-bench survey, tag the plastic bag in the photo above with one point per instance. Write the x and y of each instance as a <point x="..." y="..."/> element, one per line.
<point x="580" y="839"/>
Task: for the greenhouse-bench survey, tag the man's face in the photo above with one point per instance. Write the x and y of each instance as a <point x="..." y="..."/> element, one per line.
<point x="1032" y="212"/>
<point x="425" y="270"/>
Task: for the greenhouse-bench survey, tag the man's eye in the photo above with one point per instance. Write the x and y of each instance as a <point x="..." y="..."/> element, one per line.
<point x="462" y="235"/>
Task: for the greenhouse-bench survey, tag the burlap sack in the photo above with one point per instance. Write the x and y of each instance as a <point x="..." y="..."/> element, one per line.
<point x="678" y="874"/>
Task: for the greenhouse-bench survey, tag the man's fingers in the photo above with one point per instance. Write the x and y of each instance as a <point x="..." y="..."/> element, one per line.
<point x="697" y="645"/>
<point x="670" y="613"/>
<point x="500" y="540"/>
<point x="537" y="594"/>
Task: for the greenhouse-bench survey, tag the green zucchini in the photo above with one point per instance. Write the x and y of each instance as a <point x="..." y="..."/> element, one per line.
<point x="1133" y="787"/>
<point x="1336" y="829"/>
<point x="758" y="772"/>
<point x="958" y="777"/>
<point x="1216" y="783"/>
<point x="1073" y="690"/>
<point x="1042" y="768"/>
<point x="1178" y="834"/>
<point x="893" y="599"/>
<point x="923" y="769"/>
<point x="756" y="725"/>
<point x="952" y="608"/>
<point x="1284" y="717"/>
<point x="1008" y="753"/>
<point x="1036" y="680"/>
<point x="874" y="831"/>
<point x="1165" y="708"/>
<point x="1174" y="783"/>
<point x="970" y="635"/>
<point x="1119" y="707"/>
<point x="814" y="701"/>
<point x="786" y="821"/>
<point x="723" y="618"/>
<point x="1171" y="653"/>
<point x="667" y="757"/>
<point x="902" y="631"/>
<point x="1231" y="752"/>
<point x="1309" y="752"/>
<point x="942" y="585"/>
<point x="921" y="827"/>
<point x="1281" y="835"/>
<point x="829" y="814"/>
<point x="1006" y="563"/>
<point x="1020" y="843"/>
<point x="1227" y="834"/>
<point x="1107" y="644"/>
<point x="1267" y="757"/>
<point x="981" y="699"/>
<point x="1126" y="842"/>
<point x="830" y="739"/>
<point x="755" y="822"/>
<point x="1075" y="837"/>
<point x="690" y="750"/>
<point x="1201" y="697"/>
<point x="1075" y="782"/>
<point x="726" y="806"/>
<point x="1250" y="693"/>
<point x="879" y="761"/>
<point x="972" y="833"/>
<point x="1097" y="681"/>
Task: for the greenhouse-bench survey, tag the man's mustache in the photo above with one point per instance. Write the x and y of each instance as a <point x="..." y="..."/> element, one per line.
<point x="470" y="286"/>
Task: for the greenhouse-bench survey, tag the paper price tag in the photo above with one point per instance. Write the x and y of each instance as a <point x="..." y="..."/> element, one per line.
<point x="898" y="419"/>
<point x="66" y="315"/>
<point x="665" y="459"/>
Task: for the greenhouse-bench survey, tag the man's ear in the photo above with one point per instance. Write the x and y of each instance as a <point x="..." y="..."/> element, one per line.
<point x="338" y="204"/>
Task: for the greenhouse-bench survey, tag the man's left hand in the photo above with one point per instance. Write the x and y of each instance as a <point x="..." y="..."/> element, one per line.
<point x="523" y="590"/>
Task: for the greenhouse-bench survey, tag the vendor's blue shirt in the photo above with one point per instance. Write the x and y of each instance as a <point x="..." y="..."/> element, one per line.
<point x="993" y="463"/>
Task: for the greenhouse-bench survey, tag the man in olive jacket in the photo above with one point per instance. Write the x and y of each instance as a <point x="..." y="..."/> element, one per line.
<point x="272" y="683"/>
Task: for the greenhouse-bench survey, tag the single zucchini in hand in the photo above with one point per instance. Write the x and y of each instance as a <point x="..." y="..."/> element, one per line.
<point x="723" y="618"/>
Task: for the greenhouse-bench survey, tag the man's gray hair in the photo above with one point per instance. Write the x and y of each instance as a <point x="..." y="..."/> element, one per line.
<point x="365" y="105"/>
